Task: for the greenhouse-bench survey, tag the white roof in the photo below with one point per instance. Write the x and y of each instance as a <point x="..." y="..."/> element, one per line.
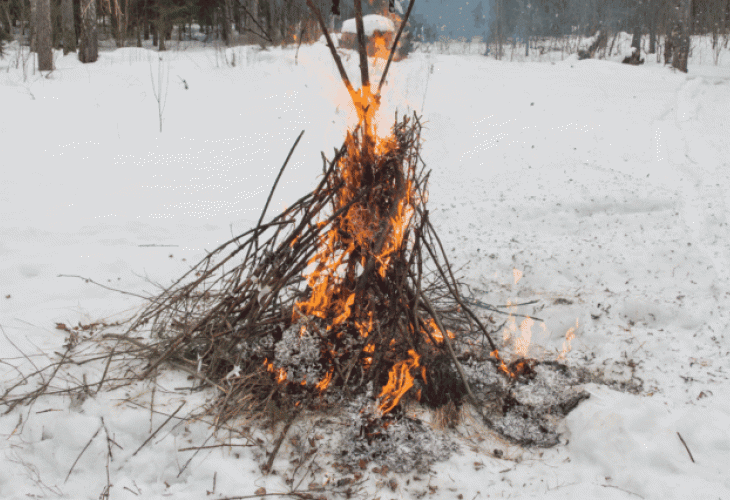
<point x="371" y="23"/>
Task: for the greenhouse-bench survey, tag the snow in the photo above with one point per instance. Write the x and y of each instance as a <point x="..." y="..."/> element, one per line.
<point x="604" y="185"/>
<point x="371" y="23"/>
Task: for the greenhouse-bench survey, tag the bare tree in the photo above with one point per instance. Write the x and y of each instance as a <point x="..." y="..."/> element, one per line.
<point x="89" y="42"/>
<point x="69" y="30"/>
<point x="497" y="31"/>
<point x="719" y="14"/>
<point x="120" y="21"/>
<point x="680" y="50"/>
<point x="161" y="24"/>
<point x="226" y="18"/>
<point x="33" y="26"/>
<point x="4" y="37"/>
<point x="5" y="21"/>
<point x="44" y="48"/>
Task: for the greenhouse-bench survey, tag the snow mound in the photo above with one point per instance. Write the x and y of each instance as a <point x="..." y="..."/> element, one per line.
<point x="371" y="23"/>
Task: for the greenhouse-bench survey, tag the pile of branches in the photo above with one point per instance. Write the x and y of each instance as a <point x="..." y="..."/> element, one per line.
<point x="257" y="331"/>
<point x="346" y="296"/>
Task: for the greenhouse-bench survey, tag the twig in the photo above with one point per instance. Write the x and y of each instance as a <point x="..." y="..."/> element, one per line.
<point x="453" y="290"/>
<point x="395" y="45"/>
<point x="82" y="452"/>
<point x="33" y="396"/>
<point x="625" y="491"/>
<point x="297" y="494"/>
<point x="686" y="447"/>
<point x="109" y="441"/>
<point x="281" y="171"/>
<point x="158" y="429"/>
<point x="335" y="55"/>
<point x="280" y="439"/>
<point x="271" y="193"/>
<point x="103" y="286"/>
<point x="194" y="455"/>
<point x="18" y="349"/>
<point x="224" y="445"/>
<point x="489" y="307"/>
<point x="445" y="336"/>
<point x="265" y="35"/>
<point x="106" y="367"/>
<point x="152" y="398"/>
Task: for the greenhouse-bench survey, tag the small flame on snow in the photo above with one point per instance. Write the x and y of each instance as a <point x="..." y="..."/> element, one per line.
<point x="569" y="335"/>
<point x="522" y="344"/>
<point x="502" y="365"/>
<point x="516" y="274"/>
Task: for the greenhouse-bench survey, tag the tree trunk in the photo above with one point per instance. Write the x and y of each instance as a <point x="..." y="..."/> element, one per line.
<point x="255" y="14"/>
<point x="651" y="13"/>
<point x="33" y="26"/>
<point x="680" y="52"/>
<point x="227" y="20"/>
<point x="225" y="24"/>
<point x="69" y="30"/>
<point x="89" y="43"/>
<point x="43" y="36"/>
<point x="145" y="21"/>
<point x="161" y="29"/>
<point x="636" y="40"/>
<point x="5" y="14"/>
<point x="528" y="29"/>
<point x="237" y="17"/>
<point x="120" y="16"/>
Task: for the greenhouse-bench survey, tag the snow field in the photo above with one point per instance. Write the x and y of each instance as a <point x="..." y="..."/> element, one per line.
<point x="604" y="185"/>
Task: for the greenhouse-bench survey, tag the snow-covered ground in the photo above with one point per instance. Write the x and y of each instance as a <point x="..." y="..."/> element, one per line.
<point x="599" y="190"/>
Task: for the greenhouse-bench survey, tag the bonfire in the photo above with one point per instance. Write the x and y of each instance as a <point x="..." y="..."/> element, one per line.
<point x="346" y="299"/>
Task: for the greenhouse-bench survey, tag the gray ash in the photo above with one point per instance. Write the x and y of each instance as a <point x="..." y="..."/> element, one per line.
<point x="401" y="443"/>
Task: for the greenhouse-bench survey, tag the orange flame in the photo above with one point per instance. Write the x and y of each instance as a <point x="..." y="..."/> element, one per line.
<point x="322" y="384"/>
<point x="380" y="49"/>
<point x="280" y="372"/>
<point x="358" y="238"/>
<point x="569" y="335"/>
<point x="502" y="365"/>
<point x="364" y="328"/>
<point x="399" y="381"/>
<point x="336" y="260"/>
<point x="436" y="333"/>
<point x="522" y="344"/>
<point x="368" y="361"/>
